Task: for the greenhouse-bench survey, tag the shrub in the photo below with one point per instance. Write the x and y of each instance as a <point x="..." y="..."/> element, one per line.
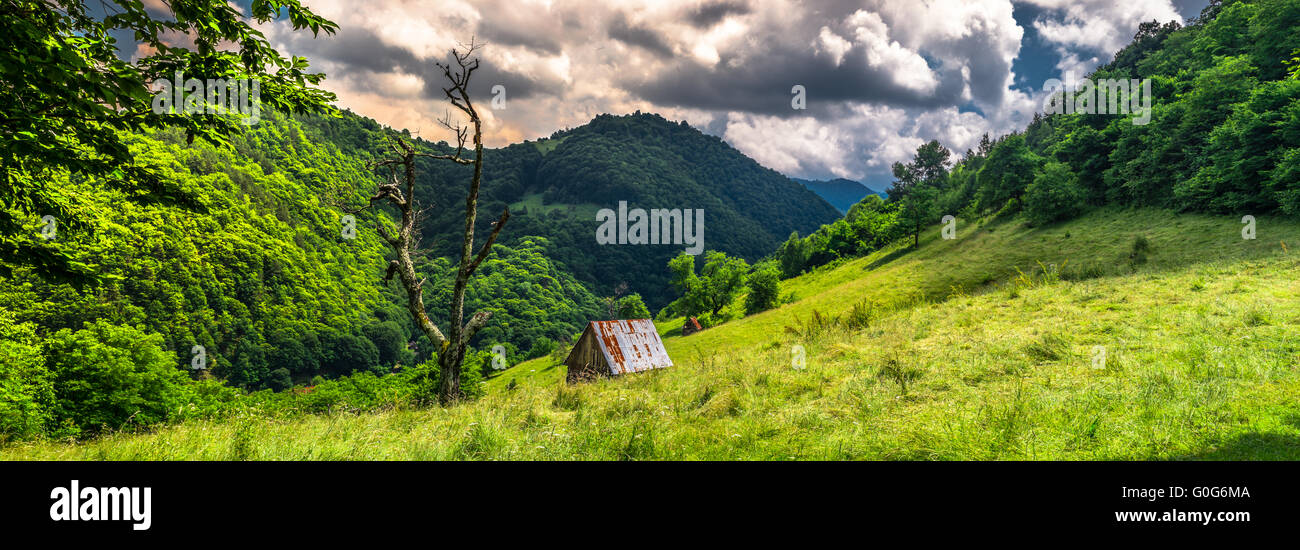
<point x="1141" y="247"/>
<point x="764" y="289"/>
<point x="894" y="370"/>
<point x="541" y="346"/>
<point x="26" y="395"/>
<point x="632" y="307"/>
<point x="279" y="380"/>
<point x="108" y="375"/>
<point x="1055" y="195"/>
<point x="389" y="342"/>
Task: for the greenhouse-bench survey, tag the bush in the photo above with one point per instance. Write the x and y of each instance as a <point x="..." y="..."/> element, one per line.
<point x="26" y="395"/>
<point x="541" y="346"/>
<point x="764" y="289"/>
<point x="390" y="343"/>
<point x="1140" y="249"/>
<point x="279" y="380"/>
<point x="108" y="375"/>
<point x="633" y="307"/>
<point x="1054" y="195"/>
<point x="350" y="353"/>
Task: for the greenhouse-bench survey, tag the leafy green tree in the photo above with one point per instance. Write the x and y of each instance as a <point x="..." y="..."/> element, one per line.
<point x="1087" y="151"/>
<point x="1285" y="180"/>
<point x="917" y="186"/>
<point x="279" y="380"/>
<point x="793" y="254"/>
<point x="719" y="282"/>
<point x="1055" y="195"/>
<point x="1007" y="172"/>
<point x="248" y="368"/>
<point x="764" y="289"/>
<point x="286" y="351"/>
<point x="541" y="346"/>
<point x="389" y="342"/>
<point x="350" y="353"/>
<point x="632" y="307"/>
<point x="71" y="99"/>
<point x="108" y="376"/>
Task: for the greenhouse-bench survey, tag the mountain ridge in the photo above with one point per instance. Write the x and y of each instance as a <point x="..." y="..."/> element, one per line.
<point x="842" y="193"/>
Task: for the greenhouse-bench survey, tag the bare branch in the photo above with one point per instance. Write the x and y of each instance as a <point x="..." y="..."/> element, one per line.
<point x="472" y="327"/>
<point x="487" y="246"/>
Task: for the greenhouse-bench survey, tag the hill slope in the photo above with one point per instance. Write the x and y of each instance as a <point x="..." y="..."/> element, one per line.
<point x="1201" y="335"/>
<point x="557" y="184"/>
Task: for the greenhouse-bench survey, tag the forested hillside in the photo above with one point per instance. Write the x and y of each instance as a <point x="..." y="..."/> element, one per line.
<point x="259" y="281"/>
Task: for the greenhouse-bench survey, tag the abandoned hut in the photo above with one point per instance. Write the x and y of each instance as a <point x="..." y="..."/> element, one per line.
<point x="691" y="326"/>
<point x="611" y="348"/>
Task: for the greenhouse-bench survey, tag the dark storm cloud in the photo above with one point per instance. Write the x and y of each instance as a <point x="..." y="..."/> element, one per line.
<point x="360" y="49"/>
<point x="623" y="31"/>
<point x="362" y="55"/>
<point x="511" y="35"/>
<point x="709" y="14"/>
<point x="521" y="28"/>
<point x="517" y="86"/>
<point x="762" y="85"/>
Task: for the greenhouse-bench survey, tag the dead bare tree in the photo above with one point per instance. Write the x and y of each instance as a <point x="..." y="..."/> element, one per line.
<point x="399" y="190"/>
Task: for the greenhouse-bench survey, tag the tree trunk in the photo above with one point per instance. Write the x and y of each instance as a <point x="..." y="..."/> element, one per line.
<point x="400" y="191"/>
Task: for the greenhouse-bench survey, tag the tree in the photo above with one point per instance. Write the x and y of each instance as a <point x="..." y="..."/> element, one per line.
<point x="719" y="282"/>
<point x="349" y="353"/>
<point x="1007" y="172"/>
<point x="399" y="191"/>
<point x="633" y="307"/>
<point x="917" y="185"/>
<point x="390" y="343"/>
<point x="69" y="99"/>
<point x="794" y="252"/>
<point x="612" y="301"/>
<point x="1055" y="195"/>
<point x="764" y="289"/>
<point x="108" y="375"/>
<point x="279" y="380"/>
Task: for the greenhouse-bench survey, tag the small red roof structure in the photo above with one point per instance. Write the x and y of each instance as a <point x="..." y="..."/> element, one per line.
<point x="691" y="326"/>
<point x="611" y="348"/>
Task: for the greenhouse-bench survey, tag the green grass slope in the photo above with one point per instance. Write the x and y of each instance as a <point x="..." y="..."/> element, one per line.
<point x="972" y="348"/>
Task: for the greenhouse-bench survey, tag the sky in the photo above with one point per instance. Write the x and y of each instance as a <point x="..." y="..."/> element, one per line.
<point x="880" y="77"/>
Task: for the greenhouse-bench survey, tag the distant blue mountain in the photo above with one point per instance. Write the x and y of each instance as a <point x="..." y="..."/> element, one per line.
<point x="840" y="192"/>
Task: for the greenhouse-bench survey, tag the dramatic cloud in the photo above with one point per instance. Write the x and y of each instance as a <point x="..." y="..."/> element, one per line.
<point x="1089" y="32"/>
<point x="881" y="76"/>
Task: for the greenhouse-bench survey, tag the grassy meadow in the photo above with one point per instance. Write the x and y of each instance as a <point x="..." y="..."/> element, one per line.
<point x="985" y="347"/>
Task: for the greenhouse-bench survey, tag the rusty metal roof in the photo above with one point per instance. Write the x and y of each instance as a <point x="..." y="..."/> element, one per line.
<point x="630" y="345"/>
